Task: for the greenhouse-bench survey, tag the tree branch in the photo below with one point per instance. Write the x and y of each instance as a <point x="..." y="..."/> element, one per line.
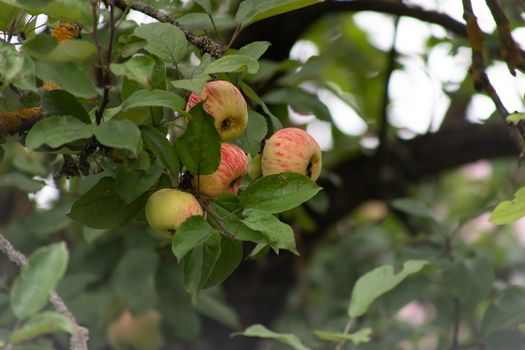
<point x="510" y="50"/>
<point x="203" y="42"/>
<point x="479" y="76"/>
<point x="80" y="337"/>
<point x="391" y="64"/>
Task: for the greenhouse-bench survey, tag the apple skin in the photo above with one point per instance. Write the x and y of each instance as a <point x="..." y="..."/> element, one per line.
<point x="292" y="150"/>
<point x="225" y="103"/>
<point x="228" y="176"/>
<point x="140" y="332"/>
<point x="168" y="208"/>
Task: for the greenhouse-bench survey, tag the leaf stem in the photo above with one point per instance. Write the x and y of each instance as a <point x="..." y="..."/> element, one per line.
<point x="340" y="345"/>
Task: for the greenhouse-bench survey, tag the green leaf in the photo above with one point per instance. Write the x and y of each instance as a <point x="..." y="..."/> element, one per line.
<point x="134" y="279"/>
<point x="251" y="11"/>
<point x="260" y="331"/>
<point x="216" y="309"/>
<point x="515" y="118"/>
<point x="60" y="103"/>
<point x="199" y="264"/>
<point x="67" y="76"/>
<point x="470" y="279"/>
<point x="206" y="5"/>
<point x="178" y="312"/>
<point x="195" y="84"/>
<point x="255" y="49"/>
<point x="361" y="336"/>
<point x="412" y="207"/>
<point x="505" y="311"/>
<point x="131" y="185"/>
<point x="200" y="146"/>
<point x="46" y="48"/>
<point x="233" y="63"/>
<point x="8" y="14"/>
<point x="230" y="258"/>
<point x="11" y="62"/>
<point x="118" y="134"/>
<point x="510" y="211"/>
<point x="164" y="40"/>
<point x="279" y="192"/>
<point x="57" y="131"/>
<point x="278" y="234"/>
<point x="192" y="233"/>
<point x="21" y="181"/>
<point x="162" y="148"/>
<point x="377" y="282"/>
<point x="38" y="279"/>
<point x="137" y="68"/>
<point x="274" y="122"/>
<point x="44" y="323"/>
<point x="153" y="98"/>
<point x="232" y="220"/>
<point x="250" y="140"/>
<point x="300" y="101"/>
<point x="102" y="208"/>
<point x="66" y="10"/>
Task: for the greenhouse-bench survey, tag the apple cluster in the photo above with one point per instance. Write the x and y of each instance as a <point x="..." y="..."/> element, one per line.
<point x="287" y="150"/>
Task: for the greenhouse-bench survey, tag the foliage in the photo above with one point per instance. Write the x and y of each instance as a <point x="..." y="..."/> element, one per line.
<point x="115" y="129"/>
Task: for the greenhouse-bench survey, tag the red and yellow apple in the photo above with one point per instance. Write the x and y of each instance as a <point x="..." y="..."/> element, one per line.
<point x="228" y="176"/>
<point x="168" y="208"/>
<point x="224" y="102"/>
<point x="292" y="150"/>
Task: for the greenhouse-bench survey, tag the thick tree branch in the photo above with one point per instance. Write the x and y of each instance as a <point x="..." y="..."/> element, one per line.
<point x="203" y="42"/>
<point x="80" y="337"/>
<point x="294" y="24"/>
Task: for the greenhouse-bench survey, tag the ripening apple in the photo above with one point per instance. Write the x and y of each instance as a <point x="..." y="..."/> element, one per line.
<point x="225" y="103"/>
<point x="228" y="176"/>
<point x="292" y="150"/>
<point x="168" y="208"/>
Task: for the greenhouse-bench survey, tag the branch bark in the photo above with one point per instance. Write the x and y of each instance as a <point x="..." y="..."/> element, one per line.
<point x="80" y="337"/>
<point x="203" y="42"/>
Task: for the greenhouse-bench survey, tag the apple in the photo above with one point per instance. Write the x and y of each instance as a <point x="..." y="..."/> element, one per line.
<point x="168" y="208"/>
<point x="224" y="102"/>
<point x="228" y="176"/>
<point x="292" y="150"/>
<point x="136" y="332"/>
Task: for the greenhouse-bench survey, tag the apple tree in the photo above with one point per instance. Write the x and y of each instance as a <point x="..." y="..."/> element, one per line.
<point x="163" y="185"/>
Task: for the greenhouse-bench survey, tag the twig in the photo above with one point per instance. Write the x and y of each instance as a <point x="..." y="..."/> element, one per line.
<point x="80" y="336"/>
<point x="480" y="78"/>
<point x="203" y="42"/>
<point x="106" y="72"/>
<point x="457" y="320"/>
<point x="383" y="127"/>
<point x="510" y="50"/>
<point x="222" y="229"/>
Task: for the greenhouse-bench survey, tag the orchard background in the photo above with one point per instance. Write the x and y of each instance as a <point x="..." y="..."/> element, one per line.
<point x="409" y="239"/>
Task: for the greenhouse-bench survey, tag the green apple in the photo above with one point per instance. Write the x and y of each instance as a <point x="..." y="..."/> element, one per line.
<point x="292" y="150"/>
<point x="224" y="102"/>
<point x="168" y="208"/>
<point x="228" y="176"/>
